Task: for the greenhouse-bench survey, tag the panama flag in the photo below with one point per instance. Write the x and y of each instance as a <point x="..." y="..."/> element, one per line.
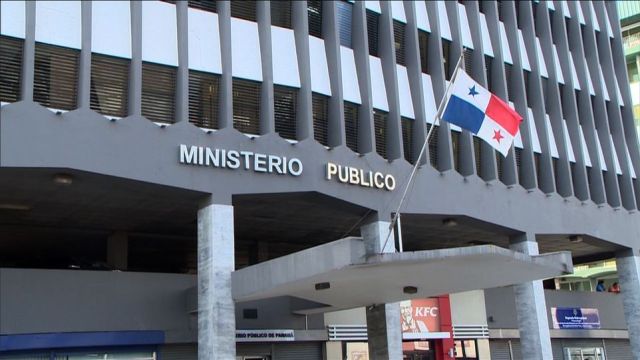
<point x="474" y="108"/>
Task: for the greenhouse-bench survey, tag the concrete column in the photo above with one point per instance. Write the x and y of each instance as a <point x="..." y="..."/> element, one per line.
<point x="383" y="320"/>
<point x="118" y="250"/>
<point x="531" y="307"/>
<point x="216" y="314"/>
<point x="628" y="265"/>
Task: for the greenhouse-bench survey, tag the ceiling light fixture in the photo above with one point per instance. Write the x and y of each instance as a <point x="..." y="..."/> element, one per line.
<point x="575" y="238"/>
<point x="16" y="207"/>
<point x="449" y="222"/>
<point x="63" y="179"/>
<point x="410" y="290"/>
<point x="323" y="286"/>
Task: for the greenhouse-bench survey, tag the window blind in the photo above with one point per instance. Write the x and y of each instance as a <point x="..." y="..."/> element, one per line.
<point x="373" y="23"/>
<point x="351" y="125"/>
<point x="244" y="10"/>
<point x="246" y="106"/>
<point x="320" y="118"/>
<point x="206" y="5"/>
<point x="109" y="85"/>
<point x="345" y="16"/>
<point x="407" y="131"/>
<point x="281" y="13"/>
<point x="204" y="90"/>
<point x="314" y="10"/>
<point x="158" y="92"/>
<point x="55" y="82"/>
<point x="284" y="106"/>
<point x="380" y="128"/>
<point x="433" y="146"/>
<point x="398" y="36"/>
<point x="423" y="43"/>
<point x="10" y="68"/>
<point x="478" y="153"/>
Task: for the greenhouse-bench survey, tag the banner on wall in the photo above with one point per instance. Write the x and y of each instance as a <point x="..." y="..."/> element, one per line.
<point x="420" y="319"/>
<point x="575" y="318"/>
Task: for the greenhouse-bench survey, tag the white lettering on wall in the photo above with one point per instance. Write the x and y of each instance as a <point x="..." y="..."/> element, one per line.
<point x="360" y="177"/>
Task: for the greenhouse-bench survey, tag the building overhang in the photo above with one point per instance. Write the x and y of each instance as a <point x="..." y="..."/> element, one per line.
<point x="339" y="275"/>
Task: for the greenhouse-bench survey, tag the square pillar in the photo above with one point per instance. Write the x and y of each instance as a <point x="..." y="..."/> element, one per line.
<point x="383" y="320"/>
<point x="628" y="265"/>
<point x="216" y="261"/>
<point x="531" y="307"/>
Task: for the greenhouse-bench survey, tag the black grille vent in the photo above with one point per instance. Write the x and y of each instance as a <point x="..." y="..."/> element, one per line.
<point x="10" y="68"/>
<point x="206" y="5"/>
<point x="398" y="35"/>
<point x="380" y="128"/>
<point x="351" y="125"/>
<point x="55" y="83"/>
<point x="500" y="165"/>
<point x="519" y="164"/>
<point x="281" y="13"/>
<point x="455" y="145"/>
<point x="468" y="60"/>
<point x="246" y="106"/>
<point x="373" y="21"/>
<point x="345" y="15"/>
<point x="204" y="90"/>
<point x="407" y="131"/>
<point x="423" y="42"/>
<point x="284" y="105"/>
<point x="488" y="61"/>
<point x="244" y="10"/>
<point x="433" y="145"/>
<point x="109" y="85"/>
<point x="320" y="118"/>
<point x="314" y="10"/>
<point x="158" y="92"/>
<point x="478" y="153"/>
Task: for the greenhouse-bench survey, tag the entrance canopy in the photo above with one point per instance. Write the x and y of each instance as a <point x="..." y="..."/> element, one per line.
<point x="339" y="275"/>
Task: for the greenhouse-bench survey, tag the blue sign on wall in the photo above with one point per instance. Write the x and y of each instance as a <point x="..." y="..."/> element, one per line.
<point x="575" y="318"/>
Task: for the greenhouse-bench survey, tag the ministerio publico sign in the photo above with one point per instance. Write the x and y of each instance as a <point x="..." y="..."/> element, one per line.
<point x="276" y="164"/>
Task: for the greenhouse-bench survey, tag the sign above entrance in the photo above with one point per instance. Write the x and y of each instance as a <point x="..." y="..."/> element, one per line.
<point x="270" y="335"/>
<point x="575" y="318"/>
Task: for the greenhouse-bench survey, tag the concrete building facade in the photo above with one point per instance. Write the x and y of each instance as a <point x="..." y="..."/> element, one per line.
<point x="172" y="171"/>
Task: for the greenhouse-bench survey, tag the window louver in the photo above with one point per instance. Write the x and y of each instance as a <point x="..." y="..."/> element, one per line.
<point x="478" y="153"/>
<point x="158" y="92"/>
<point x="206" y="5"/>
<point x="246" y="106"/>
<point x="488" y="62"/>
<point x="204" y="99"/>
<point x="519" y="163"/>
<point x="55" y="82"/>
<point x="373" y="21"/>
<point x="345" y="15"/>
<point x="446" y="61"/>
<point x="320" y="118"/>
<point x="351" y="125"/>
<point x="455" y="145"/>
<point x="536" y="159"/>
<point x="244" y="10"/>
<point x="468" y="60"/>
<point x="281" y="13"/>
<point x="500" y="165"/>
<point x="380" y="128"/>
<point x="433" y="146"/>
<point x="407" y="131"/>
<point x="109" y="85"/>
<point x="398" y="35"/>
<point x="423" y="42"/>
<point x="314" y="10"/>
<point x="10" y="68"/>
<point x="284" y="105"/>
<point x="507" y="76"/>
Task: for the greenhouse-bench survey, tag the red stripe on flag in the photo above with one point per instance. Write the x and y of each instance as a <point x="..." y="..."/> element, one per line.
<point x="502" y="113"/>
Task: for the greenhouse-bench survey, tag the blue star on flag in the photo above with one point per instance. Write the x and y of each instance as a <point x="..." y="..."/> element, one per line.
<point x="472" y="91"/>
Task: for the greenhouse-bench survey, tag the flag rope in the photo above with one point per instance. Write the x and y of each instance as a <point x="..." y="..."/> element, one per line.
<point x="436" y="120"/>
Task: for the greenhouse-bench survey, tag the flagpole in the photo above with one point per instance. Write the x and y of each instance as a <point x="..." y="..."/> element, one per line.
<point x="396" y="215"/>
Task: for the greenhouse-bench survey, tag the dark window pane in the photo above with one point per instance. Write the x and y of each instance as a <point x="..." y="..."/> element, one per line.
<point x="284" y="106"/>
<point x="314" y="10"/>
<point x="55" y="82"/>
<point x="380" y="128"/>
<point x="351" y="125"/>
<point x="158" y="92"/>
<point x="407" y="131"/>
<point x="373" y="21"/>
<point x="455" y="145"/>
<point x="206" y="5"/>
<point x="423" y="42"/>
<point x="433" y="145"/>
<point x="244" y="10"/>
<point x="345" y="14"/>
<point x="320" y="118"/>
<point x="446" y="60"/>
<point x="488" y="63"/>
<point x="281" y="13"/>
<point x="109" y="84"/>
<point x="398" y="35"/>
<point x="246" y="106"/>
<point x="478" y="153"/>
<point x="204" y="99"/>
<point x="10" y="68"/>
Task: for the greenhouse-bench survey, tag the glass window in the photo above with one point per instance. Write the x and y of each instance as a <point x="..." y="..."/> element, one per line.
<point x="281" y="13"/>
<point x="55" y="83"/>
<point x="109" y="85"/>
<point x="399" y="40"/>
<point x="466" y="349"/>
<point x="10" y="68"/>
<point x="244" y="10"/>
<point x="407" y="131"/>
<point x="206" y="5"/>
<point x="423" y="42"/>
<point x="246" y="106"/>
<point x="204" y="99"/>
<point x="284" y="104"/>
<point x="433" y="145"/>
<point x="373" y="22"/>
<point x="320" y="118"/>
<point x="446" y="59"/>
<point x="345" y="16"/>
<point x="314" y="11"/>
<point x="351" y="125"/>
<point x="380" y="128"/>
<point x="594" y="353"/>
<point x="158" y="92"/>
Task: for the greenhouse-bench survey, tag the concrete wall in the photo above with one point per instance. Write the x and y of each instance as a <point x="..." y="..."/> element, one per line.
<point x="467" y="308"/>
<point x="500" y="306"/>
